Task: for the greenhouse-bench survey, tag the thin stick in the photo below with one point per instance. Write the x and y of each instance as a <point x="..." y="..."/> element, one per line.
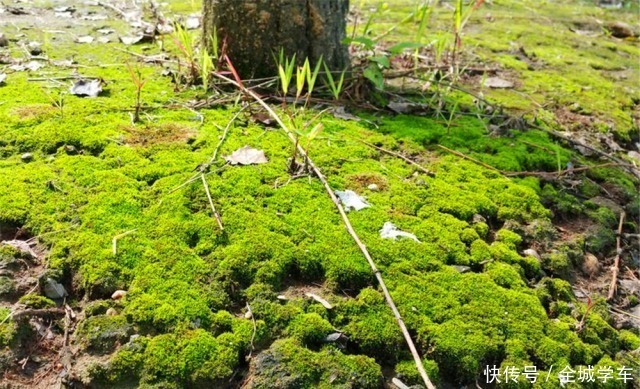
<point x="349" y="227"/>
<point x="115" y="240"/>
<point x="213" y="208"/>
<point x="225" y="132"/>
<point x="255" y="328"/>
<point x="468" y="158"/>
<point x="407" y="160"/>
<point x="616" y="262"/>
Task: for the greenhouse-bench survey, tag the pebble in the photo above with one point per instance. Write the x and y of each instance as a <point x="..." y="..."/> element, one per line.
<point x="111" y="312"/>
<point x="532" y="253"/>
<point x="462" y="269"/>
<point x="373" y="187"/>
<point x="118" y="294"/>
<point x="620" y="29"/>
<point x="26" y="157"/>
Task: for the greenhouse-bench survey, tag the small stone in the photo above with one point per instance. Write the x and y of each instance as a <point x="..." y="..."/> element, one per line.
<point x="54" y="289"/>
<point x="477" y="218"/>
<point x="34" y="48"/>
<point x="373" y="187"/>
<point x="620" y="29"/>
<point x="112" y="312"/>
<point x="532" y="253"/>
<point x="461" y="269"/>
<point x="70" y="149"/>
<point x="118" y="294"/>
<point x="282" y="297"/>
<point x="591" y="266"/>
<point x="4" y="42"/>
<point x="26" y="157"/>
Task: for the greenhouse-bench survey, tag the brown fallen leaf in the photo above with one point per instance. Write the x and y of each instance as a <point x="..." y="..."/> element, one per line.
<point x="247" y="156"/>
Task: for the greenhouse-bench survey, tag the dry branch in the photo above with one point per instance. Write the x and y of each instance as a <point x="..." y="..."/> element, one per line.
<point x="347" y="223"/>
<point x="409" y="161"/>
<point x="213" y="207"/>
<point x="616" y="262"/>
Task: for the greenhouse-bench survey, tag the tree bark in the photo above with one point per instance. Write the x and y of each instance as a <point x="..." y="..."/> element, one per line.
<point x="253" y="32"/>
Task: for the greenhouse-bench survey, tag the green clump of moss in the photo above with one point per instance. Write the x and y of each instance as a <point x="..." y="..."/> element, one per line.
<point x="629" y="340"/>
<point x="103" y="333"/>
<point x="36" y="301"/>
<point x="504" y="275"/>
<point x="97" y="307"/>
<point x="509" y="238"/>
<point x="309" y="328"/>
<point x="7" y="328"/>
<point x="557" y="263"/>
<point x="6" y="285"/>
<point x="482" y="229"/>
<point x="369" y="324"/>
<point x="408" y="372"/>
<point x="288" y="365"/>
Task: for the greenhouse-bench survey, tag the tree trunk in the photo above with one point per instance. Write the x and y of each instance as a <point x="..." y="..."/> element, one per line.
<point x="254" y="31"/>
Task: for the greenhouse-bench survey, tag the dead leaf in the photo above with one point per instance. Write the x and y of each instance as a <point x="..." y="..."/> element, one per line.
<point x="319" y="299"/>
<point x="86" y="88"/>
<point x="341" y="113"/>
<point x="131" y="40"/>
<point x="84" y="39"/>
<point x="192" y="22"/>
<point x="497" y="83"/>
<point x="390" y="231"/>
<point x="350" y="199"/>
<point x="247" y="156"/>
<point x="263" y="118"/>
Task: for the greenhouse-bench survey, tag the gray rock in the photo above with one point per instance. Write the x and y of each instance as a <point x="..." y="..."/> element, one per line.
<point x="462" y="269"/>
<point x="54" y="290"/>
<point x="26" y="157"/>
<point x="477" y="218"/>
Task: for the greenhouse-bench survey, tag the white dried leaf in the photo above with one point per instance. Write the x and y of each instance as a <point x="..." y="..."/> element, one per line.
<point x="319" y="299"/>
<point x="350" y="199"/>
<point x="247" y="156"/>
<point x="86" y="88"/>
<point x="21" y="245"/>
<point x="390" y="231"/>
<point x="131" y="40"/>
<point x="498" y="83"/>
<point x="84" y="39"/>
<point x="192" y="22"/>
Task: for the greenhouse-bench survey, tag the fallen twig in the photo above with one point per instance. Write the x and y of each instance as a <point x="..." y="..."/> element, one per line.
<point x="616" y="262"/>
<point x="213" y="208"/>
<point x="224" y="134"/>
<point x="349" y="227"/>
<point x="255" y="328"/>
<point x="409" y="161"/>
<point x="114" y="241"/>
<point x="547" y="175"/>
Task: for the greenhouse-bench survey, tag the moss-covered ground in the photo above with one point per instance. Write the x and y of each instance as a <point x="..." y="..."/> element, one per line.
<point x="470" y="294"/>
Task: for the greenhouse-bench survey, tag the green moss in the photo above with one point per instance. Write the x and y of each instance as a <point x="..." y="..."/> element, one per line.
<point x="103" y="333"/>
<point x="557" y="263"/>
<point x="369" y="324"/>
<point x="409" y="374"/>
<point x="629" y="340"/>
<point x="310" y="329"/>
<point x="6" y="285"/>
<point x="504" y="275"/>
<point x="510" y="238"/>
<point x="7" y="328"/>
<point x="36" y="301"/>
<point x="286" y="364"/>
